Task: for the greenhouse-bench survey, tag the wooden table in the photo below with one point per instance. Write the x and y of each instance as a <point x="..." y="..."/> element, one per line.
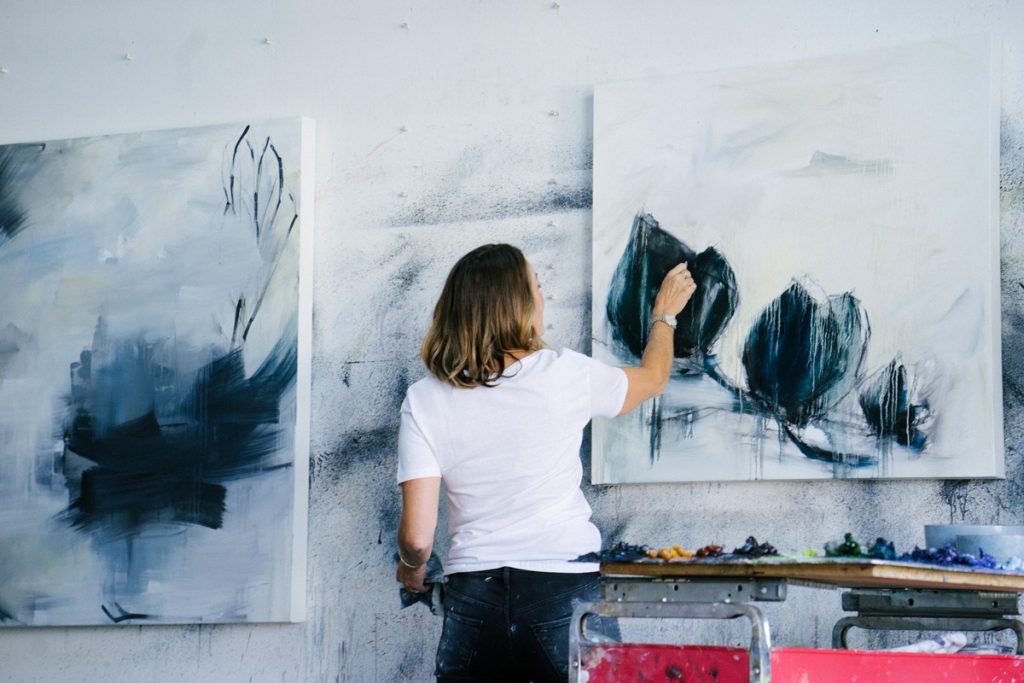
<point x="829" y="571"/>
<point x="886" y="595"/>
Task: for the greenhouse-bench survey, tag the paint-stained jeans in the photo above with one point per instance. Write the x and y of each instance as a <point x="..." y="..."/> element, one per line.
<point x="510" y="624"/>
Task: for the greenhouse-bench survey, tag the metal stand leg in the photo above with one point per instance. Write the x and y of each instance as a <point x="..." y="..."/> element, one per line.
<point x="760" y="642"/>
<point x="843" y="626"/>
<point x="908" y="609"/>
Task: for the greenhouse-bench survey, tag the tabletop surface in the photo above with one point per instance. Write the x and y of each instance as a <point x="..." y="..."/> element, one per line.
<point x="828" y="572"/>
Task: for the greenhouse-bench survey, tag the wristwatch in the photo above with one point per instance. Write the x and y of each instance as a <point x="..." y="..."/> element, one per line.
<point x="669" y="320"/>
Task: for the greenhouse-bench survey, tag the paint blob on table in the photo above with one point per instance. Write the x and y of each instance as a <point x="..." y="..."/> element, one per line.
<point x="879" y="549"/>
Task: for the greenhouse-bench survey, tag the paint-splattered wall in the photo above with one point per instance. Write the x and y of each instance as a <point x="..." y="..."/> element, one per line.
<point x="441" y="126"/>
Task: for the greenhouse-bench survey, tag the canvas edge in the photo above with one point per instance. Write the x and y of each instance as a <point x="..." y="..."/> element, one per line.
<point x="303" y="380"/>
<point x="995" y="231"/>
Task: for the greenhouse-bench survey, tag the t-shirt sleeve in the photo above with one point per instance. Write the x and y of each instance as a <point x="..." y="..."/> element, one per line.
<point x="607" y="389"/>
<point x="416" y="458"/>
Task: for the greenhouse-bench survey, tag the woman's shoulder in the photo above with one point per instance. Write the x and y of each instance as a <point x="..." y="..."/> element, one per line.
<point x="580" y="363"/>
<point x="426" y="388"/>
<point x="559" y="361"/>
<point x="571" y="357"/>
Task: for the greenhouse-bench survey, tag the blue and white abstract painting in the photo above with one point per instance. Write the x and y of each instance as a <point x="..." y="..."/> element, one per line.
<point x="840" y="217"/>
<point x="154" y="376"/>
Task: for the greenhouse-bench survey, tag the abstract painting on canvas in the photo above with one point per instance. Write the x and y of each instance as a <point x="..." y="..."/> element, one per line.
<point x="155" y="314"/>
<point x="840" y="217"/>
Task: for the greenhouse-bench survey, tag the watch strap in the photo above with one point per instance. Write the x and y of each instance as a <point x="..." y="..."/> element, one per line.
<point x="669" y="320"/>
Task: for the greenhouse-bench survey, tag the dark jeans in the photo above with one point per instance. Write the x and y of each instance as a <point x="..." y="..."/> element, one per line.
<point x="510" y="624"/>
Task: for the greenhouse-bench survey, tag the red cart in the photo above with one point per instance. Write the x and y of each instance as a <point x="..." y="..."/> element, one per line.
<point x="885" y="595"/>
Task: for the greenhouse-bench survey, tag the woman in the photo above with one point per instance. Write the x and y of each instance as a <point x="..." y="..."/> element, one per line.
<point x="500" y="419"/>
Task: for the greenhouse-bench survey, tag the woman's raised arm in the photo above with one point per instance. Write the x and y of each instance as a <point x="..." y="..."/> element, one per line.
<point x="651" y="378"/>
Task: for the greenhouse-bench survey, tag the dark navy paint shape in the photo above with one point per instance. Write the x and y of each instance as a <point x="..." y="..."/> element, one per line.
<point x="802" y="355"/>
<point x="649" y="255"/>
<point x="887" y="407"/>
<point x="169" y="463"/>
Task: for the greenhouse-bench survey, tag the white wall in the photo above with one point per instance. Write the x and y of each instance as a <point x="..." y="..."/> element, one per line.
<point x="482" y="157"/>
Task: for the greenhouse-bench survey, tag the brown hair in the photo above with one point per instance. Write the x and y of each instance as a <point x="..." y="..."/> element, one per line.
<point x="485" y="311"/>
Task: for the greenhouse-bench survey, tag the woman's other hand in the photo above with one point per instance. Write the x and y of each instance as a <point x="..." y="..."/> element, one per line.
<point x="676" y="290"/>
<point x="416" y="530"/>
<point x="411" y="578"/>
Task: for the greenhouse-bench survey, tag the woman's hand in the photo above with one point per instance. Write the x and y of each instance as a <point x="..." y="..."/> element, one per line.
<point x="411" y="578"/>
<point x="676" y="290"/>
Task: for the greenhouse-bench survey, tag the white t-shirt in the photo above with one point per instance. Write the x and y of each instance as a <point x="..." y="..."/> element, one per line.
<point x="509" y="459"/>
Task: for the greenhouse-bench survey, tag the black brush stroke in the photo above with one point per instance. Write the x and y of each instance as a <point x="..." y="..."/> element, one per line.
<point x="270" y="217"/>
<point x="256" y="189"/>
<point x="885" y="402"/>
<point x="122" y="615"/>
<point x="230" y="191"/>
<point x="295" y="218"/>
<point x="252" y="160"/>
<point x="654" y="444"/>
<point x="13" y="217"/>
<point x="263" y="293"/>
<point x="749" y="404"/>
<point x="239" y="313"/>
<point x="261" y="222"/>
<point x="829" y="456"/>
